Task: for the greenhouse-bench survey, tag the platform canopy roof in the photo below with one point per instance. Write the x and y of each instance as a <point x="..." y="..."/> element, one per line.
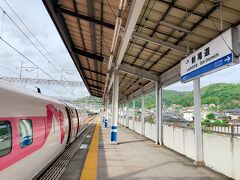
<point x="165" y="31"/>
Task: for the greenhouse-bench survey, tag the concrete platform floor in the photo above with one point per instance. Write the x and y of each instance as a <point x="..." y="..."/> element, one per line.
<point x="136" y="157"/>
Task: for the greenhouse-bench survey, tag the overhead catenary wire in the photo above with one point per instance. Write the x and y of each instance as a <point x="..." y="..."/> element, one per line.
<point x="32" y="33"/>
<point x="50" y="55"/>
<point x="8" y="69"/>
<point x="2" y="22"/>
<point x="29" y="39"/>
<point x="7" y="63"/>
<point x="12" y="47"/>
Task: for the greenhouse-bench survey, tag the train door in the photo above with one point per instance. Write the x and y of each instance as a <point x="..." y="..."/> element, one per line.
<point x="69" y="125"/>
<point x="78" y="122"/>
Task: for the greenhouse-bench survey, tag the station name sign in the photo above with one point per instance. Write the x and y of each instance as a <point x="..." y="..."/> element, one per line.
<point x="213" y="56"/>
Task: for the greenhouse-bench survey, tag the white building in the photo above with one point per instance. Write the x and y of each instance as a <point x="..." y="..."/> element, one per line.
<point x="188" y="115"/>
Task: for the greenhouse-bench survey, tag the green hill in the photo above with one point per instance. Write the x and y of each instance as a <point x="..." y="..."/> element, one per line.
<point x="226" y="96"/>
<point x="89" y="100"/>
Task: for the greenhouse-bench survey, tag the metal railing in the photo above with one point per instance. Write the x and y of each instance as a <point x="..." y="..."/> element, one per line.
<point x="233" y="130"/>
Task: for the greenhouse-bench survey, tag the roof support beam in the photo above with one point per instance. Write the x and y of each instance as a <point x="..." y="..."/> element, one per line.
<point x="90" y="7"/>
<point x="95" y="80"/>
<point x="93" y="86"/>
<point x="61" y="26"/>
<point x="93" y="71"/>
<point x="88" y="54"/>
<point x="174" y="27"/>
<point x="97" y="95"/>
<point x="134" y="13"/>
<point x="87" y="18"/>
<point x="159" y="42"/>
<point x="143" y="90"/>
<point x="138" y="72"/>
<point x="169" y="77"/>
<point x="98" y="91"/>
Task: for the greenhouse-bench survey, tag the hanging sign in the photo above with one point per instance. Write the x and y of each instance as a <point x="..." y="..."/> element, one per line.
<point x="213" y="56"/>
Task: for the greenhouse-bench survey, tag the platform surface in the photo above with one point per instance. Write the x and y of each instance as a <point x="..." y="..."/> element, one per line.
<point x="74" y="169"/>
<point x="136" y="157"/>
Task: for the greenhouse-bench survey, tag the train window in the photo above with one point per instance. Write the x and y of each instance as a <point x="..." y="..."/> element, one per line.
<point x="5" y="138"/>
<point x="26" y="132"/>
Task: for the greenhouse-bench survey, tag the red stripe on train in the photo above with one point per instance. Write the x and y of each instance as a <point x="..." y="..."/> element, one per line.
<point x="42" y="126"/>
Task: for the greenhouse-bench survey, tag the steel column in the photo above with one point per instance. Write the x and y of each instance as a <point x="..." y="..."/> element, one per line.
<point x="158" y="114"/>
<point x="142" y="116"/>
<point x="133" y="121"/>
<point x="122" y="114"/>
<point x="120" y="117"/>
<point x="107" y="104"/>
<point x="127" y="115"/>
<point x="115" y="107"/>
<point x="197" y="122"/>
<point x="104" y="112"/>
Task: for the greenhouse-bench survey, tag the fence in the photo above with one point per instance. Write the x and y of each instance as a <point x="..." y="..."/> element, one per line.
<point x="233" y="130"/>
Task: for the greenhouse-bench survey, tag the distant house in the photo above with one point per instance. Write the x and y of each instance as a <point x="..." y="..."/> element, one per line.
<point x="221" y="116"/>
<point x="233" y="113"/>
<point x="188" y="114"/>
<point x="170" y="117"/>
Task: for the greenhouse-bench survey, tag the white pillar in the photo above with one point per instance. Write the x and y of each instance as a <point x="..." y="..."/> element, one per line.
<point x="107" y="104"/>
<point x="158" y="114"/>
<point x="142" y="116"/>
<point x="115" y="107"/>
<point x="123" y="114"/>
<point x="133" y="121"/>
<point x="197" y="122"/>
<point x="127" y="115"/>
<point x="119" y="113"/>
<point x="104" y="111"/>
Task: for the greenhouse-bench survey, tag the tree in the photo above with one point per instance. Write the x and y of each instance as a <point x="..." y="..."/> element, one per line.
<point x="210" y="116"/>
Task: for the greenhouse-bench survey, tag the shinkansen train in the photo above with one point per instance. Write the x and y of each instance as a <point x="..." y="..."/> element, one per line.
<point x="34" y="130"/>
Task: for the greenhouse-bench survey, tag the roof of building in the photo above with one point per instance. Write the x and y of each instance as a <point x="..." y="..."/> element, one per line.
<point x="163" y="32"/>
<point x="235" y="111"/>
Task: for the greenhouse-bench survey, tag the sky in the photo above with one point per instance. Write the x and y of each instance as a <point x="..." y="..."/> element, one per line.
<point x="36" y="17"/>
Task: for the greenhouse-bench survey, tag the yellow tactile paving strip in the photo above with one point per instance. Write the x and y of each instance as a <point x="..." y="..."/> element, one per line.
<point x="90" y="167"/>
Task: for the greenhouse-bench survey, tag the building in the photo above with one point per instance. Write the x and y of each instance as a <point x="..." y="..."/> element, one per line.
<point x="233" y="113"/>
<point x="188" y="114"/>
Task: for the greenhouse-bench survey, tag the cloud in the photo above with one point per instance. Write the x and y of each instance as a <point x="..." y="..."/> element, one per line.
<point x="35" y="16"/>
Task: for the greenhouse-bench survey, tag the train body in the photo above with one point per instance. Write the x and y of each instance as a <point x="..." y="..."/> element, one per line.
<point x="34" y="130"/>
